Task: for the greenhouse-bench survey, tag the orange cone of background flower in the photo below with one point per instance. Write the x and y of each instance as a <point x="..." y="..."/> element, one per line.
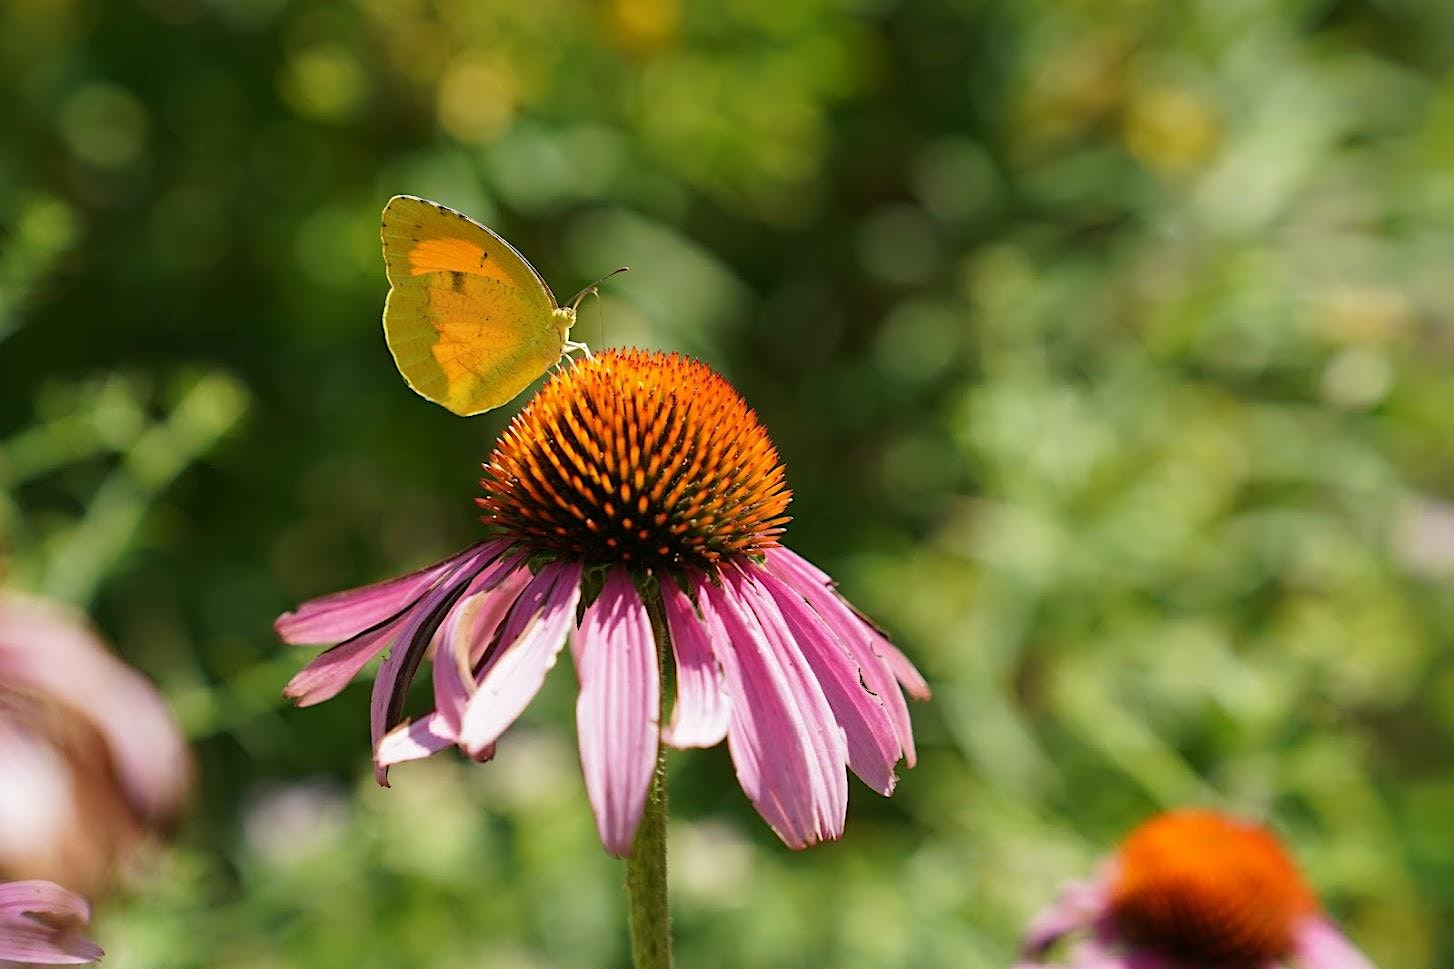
<point x="633" y="483"/>
<point x="41" y="923"/>
<point x="91" y="758"/>
<point x="1192" y="890"/>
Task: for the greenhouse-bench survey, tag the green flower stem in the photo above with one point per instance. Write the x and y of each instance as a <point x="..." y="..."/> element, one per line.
<point x="650" y="912"/>
<point x="646" y="880"/>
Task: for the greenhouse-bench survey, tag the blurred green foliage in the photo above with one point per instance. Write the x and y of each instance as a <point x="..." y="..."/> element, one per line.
<point x="1108" y="344"/>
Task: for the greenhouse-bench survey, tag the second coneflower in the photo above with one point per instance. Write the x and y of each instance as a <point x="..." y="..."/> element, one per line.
<point x="1192" y="890"/>
<point x="635" y="502"/>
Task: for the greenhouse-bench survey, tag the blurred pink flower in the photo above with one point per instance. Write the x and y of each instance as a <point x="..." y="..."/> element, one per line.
<point x="640" y="486"/>
<point x="92" y="758"/>
<point x="41" y="922"/>
<point x="1192" y="890"/>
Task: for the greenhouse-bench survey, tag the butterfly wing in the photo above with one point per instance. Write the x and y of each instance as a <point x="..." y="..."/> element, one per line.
<point x="470" y="323"/>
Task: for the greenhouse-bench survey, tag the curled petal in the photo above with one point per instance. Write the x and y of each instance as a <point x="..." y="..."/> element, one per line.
<point x="466" y="633"/>
<point x="517" y="669"/>
<point x="618" y="709"/>
<point x="702" y="711"/>
<point x="41" y="922"/>
<point x="414" y="740"/>
<point x="788" y="754"/>
<point x="344" y="615"/>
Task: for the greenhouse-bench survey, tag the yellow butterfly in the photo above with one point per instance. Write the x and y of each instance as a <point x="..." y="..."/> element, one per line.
<point x="470" y="323"/>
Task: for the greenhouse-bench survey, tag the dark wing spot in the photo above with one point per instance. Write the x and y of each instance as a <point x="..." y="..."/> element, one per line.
<point x="456" y="281"/>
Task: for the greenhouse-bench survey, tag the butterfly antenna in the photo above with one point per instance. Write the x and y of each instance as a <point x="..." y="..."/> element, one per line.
<point x="601" y="316"/>
<point x="576" y="300"/>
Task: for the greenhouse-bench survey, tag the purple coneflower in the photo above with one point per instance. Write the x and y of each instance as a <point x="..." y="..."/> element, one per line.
<point x="92" y="761"/>
<point x="41" y="923"/>
<point x="1193" y="890"/>
<point x="635" y="501"/>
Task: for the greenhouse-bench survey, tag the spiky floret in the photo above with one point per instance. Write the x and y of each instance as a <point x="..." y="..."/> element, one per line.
<point x="1209" y="890"/>
<point x="637" y="457"/>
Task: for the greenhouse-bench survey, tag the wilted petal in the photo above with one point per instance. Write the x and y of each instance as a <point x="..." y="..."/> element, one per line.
<point x="397" y="672"/>
<point x="702" y="711"/>
<point x="40" y="922"/>
<point x="467" y="632"/>
<point x="344" y="615"/>
<point x="873" y="746"/>
<point x="789" y="764"/>
<point x="516" y="671"/>
<point x="1319" y="945"/>
<point x="618" y="709"/>
<point x="862" y="640"/>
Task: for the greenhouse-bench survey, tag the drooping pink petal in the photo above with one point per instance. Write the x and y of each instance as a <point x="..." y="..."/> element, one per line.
<point x="618" y="710"/>
<point x="397" y="672"/>
<point x="467" y="631"/>
<point x="41" y="922"/>
<point x="791" y="766"/>
<point x="334" y="668"/>
<point x="702" y="711"/>
<point x="515" y="672"/>
<point x="860" y="638"/>
<point x="873" y="745"/>
<point x="344" y="615"/>
<point x="1319" y="945"/>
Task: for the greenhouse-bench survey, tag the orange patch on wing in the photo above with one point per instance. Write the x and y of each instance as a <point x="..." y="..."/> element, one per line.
<point x="454" y="256"/>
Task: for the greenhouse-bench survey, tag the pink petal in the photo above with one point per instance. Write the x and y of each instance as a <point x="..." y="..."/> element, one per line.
<point x="421" y="621"/>
<point x="788" y="752"/>
<point x="414" y="740"/>
<point x="466" y="633"/>
<point x="334" y="668"/>
<point x="1079" y="906"/>
<point x="52" y="938"/>
<point x="48" y="650"/>
<point x="618" y="710"/>
<point x="702" y="710"/>
<point x="873" y="746"/>
<point x="344" y="615"/>
<point x="863" y="642"/>
<point x="1319" y="945"/>
<point x="516" y="671"/>
<point x="904" y="671"/>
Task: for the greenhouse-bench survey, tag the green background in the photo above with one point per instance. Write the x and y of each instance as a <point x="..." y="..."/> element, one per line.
<point x="1108" y="344"/>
